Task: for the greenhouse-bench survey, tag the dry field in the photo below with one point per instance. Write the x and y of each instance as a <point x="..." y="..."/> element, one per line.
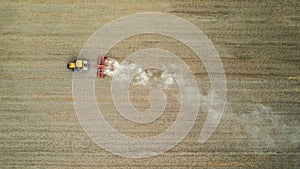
<point x="258" y="42"/>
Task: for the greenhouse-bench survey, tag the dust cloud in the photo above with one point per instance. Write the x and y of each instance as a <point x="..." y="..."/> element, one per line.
<point x="161" y="78"/>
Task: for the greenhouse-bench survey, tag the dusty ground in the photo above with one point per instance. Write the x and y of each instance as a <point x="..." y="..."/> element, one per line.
<point x="258" y="43"/>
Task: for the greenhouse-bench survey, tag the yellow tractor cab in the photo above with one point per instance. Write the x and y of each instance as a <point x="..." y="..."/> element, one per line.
<point x="79" y="65"/>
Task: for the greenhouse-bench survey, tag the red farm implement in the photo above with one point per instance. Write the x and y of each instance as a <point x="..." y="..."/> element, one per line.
<point x="101" y="66"/>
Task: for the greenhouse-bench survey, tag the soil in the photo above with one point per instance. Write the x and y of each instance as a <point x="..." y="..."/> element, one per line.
<point x="258" y="43"/>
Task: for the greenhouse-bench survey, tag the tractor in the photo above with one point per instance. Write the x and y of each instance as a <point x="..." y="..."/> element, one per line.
<point x="79" y="65"/>
<point x="105" y="66"/>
